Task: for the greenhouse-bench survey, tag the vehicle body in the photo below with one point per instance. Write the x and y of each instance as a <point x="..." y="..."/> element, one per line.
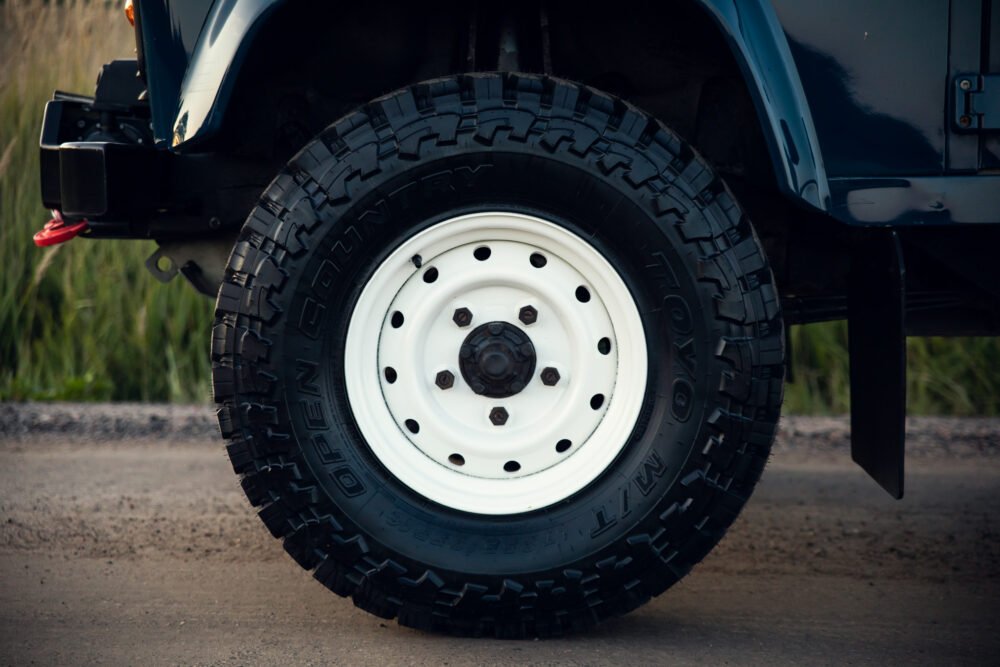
<point x="862" y="138"/>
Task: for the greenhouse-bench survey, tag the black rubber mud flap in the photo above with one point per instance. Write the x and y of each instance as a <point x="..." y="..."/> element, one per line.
<point x="877" y="342"/>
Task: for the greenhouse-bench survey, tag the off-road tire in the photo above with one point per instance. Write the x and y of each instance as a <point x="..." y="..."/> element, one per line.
<point x="612" y="175"/>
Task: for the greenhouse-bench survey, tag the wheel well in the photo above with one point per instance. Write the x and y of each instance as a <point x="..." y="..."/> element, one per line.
<point x="315" y="61"/>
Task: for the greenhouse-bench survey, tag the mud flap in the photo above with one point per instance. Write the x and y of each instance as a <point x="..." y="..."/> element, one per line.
<point x="877" y="343"/>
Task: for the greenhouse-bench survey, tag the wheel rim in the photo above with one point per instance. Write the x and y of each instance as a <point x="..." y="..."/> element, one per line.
<point x="495" y="363"/>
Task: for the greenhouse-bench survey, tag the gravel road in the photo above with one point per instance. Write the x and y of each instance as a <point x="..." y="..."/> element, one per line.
<point x="124" y="539"/>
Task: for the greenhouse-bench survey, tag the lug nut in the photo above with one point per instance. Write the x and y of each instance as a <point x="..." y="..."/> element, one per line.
<point x="445" y="380"/>
<point x="462" y="317"/>
<point x="550" y="376"/>
<point x="498" y="416"/>
<point x="528" y="315"/>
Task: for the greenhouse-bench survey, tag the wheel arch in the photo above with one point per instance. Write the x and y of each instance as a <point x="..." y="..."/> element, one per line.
<point x="760" y="47"/>
<point x="237" y="45"/>
<point x="227" y="37"/>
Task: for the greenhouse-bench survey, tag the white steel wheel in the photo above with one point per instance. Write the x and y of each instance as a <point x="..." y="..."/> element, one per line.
<point x="495" y="363"/>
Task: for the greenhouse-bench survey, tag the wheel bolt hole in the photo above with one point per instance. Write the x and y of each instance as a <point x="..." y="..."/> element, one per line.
<point x="563" y="445"/>
<point x="512" y="466"/>
<point x="596" y="401"/>
<point x="412" y="426"/>
<point x="430" y="275"/>
<point x="390" y="374"/>
<point x="482" y="253"/>
<point x="582" y="294"/>
<point x="537" y="260"/>
<point x="396" y="320"/>
<point x="456" y="460"/>
<point x="604" y="346"/>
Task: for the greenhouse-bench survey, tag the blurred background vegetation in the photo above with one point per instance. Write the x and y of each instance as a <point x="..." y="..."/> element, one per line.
<point x="85" y="320"/>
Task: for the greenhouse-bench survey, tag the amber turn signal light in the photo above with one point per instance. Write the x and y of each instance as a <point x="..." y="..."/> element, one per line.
<point x="130" y="12"/>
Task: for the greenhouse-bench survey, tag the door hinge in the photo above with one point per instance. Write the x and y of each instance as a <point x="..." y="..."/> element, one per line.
<point x="977" y="102"/>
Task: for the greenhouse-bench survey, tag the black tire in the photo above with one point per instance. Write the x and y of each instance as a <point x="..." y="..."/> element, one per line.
<point x="570" y="154"/>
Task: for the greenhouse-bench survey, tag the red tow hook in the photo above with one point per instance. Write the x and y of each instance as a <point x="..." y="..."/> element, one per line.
<point x="58" y="231"/>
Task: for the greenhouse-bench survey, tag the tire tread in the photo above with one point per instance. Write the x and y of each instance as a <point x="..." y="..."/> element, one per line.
<point x="560" y="118"/>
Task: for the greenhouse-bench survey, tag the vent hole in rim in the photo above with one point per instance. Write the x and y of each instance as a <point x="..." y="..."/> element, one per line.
<point x="396" y="320"/>
<point x="596" y="401"/>
<point x="390" y="374"/>
<point x="512" y="466"/>
<point x="563" y="445"/>
<point x="538" y="260"/>
<point x="456" y="460"/>
<point x="604" y="346"/>
<point x="412" y="426"/>
<point x="430" y="275"/>
<point x="582" y="294"/>
<point x="482" y="253"/>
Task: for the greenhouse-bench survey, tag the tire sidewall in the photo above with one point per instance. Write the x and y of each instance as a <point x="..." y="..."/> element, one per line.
<point x="658" y="267"/>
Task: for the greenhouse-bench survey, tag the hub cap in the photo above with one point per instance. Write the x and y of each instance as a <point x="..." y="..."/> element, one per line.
<point x="495" y="363"/>
<point x="497" y="360"/>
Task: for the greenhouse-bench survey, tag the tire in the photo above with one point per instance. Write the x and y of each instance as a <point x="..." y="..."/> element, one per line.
<point x="417" y="183"/>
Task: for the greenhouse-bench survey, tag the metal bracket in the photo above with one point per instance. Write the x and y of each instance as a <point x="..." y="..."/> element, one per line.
<point x="977" y="102"/>
<point x="161" y="265"/>
<point x="202" y="261"/>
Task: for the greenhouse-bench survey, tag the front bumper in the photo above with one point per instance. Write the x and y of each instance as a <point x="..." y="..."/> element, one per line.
<point x="86" y="173"/>
<point x="99" y="163"/>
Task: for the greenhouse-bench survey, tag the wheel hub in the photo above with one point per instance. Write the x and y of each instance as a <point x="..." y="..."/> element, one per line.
<point x="455" y="397"/>
<point x="497" y="360"/>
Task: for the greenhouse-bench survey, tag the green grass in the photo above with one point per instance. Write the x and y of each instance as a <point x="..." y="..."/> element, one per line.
<point x="950" y="376"/>
<point x="85" y="320"/>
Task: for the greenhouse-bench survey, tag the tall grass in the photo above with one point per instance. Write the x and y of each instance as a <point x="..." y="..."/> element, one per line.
<point x="955" y="376"/>
<point x="82" y="320"/>
<point x="85" y="321"/>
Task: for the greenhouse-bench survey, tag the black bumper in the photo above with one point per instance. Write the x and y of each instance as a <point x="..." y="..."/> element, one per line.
<point x="98" y="162"/>
<point x="94" y="179"/>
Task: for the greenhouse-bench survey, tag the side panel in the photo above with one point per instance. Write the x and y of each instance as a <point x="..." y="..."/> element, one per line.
<point x="875" y="77"/>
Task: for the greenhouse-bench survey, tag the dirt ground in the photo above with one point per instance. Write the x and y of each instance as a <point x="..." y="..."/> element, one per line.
<point x="124" y="539"/>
